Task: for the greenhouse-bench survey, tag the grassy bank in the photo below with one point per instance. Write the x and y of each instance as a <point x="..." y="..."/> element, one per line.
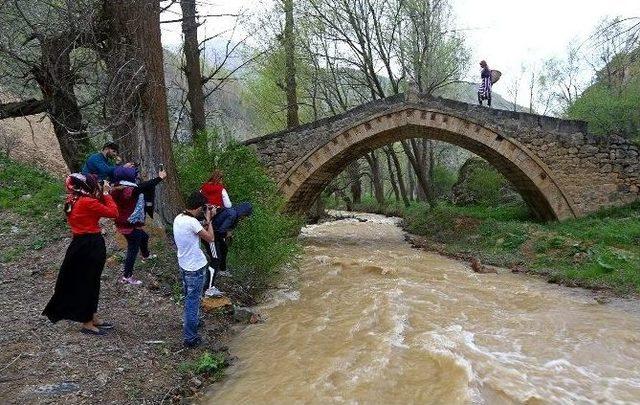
<point x="601" y="251"/>
<point x="598" y="251"/>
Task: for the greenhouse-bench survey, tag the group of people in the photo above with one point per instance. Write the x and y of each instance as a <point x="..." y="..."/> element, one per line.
<point x="105" y="189"/>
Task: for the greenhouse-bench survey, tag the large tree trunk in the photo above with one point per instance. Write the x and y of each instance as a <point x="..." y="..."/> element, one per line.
<point x="193" y="72"/>
<point x="290" y="66"/>
<point x="411" y="181"/>
<point x="135" y="31"/>
<point x="353" y="171"/>
<point x="56" y="81"/>
<point x="392" y="179"/>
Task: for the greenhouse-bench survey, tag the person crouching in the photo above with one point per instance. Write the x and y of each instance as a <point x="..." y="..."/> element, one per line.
<point x="187" y="232"/>
<point x="129" y="196"/>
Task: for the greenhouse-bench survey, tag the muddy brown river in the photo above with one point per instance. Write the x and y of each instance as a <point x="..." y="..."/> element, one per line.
<point x="370" y="320"/>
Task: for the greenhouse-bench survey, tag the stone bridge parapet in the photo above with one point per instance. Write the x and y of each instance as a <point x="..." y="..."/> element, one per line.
<point x="559" y="169"/>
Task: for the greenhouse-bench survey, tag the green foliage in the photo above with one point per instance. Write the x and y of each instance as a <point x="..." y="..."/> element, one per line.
<point x="207" y="364"/>
<point x="610" y="109"/>
<point x="31" y="192"/>
<point x="443" y="180"/>
<point x="265" y="96"/>
<point x="601" y="250"/>
<point x="485" y="183"/>
<point x="266" y="241"/>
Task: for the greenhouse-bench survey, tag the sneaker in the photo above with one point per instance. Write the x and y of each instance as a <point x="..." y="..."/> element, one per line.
<point x="225" y="273"/>
<point x="150" y="257"/>
<point x="130" y="280"/>
<point x="213" y="292"/>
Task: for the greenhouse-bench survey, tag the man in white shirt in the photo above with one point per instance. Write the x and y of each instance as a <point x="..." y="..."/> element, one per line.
<point x="187" y="232"/>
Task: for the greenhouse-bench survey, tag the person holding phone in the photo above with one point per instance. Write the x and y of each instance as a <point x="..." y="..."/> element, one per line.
<point x="77" y="289"/>
<point x="187" y="233"/>
<point x="129" y="195"/>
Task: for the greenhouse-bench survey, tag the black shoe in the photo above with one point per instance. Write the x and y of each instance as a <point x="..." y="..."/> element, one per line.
<point x="193" y="344"/>
<point x="104" y="325"/>
<point x="88" y="331"/>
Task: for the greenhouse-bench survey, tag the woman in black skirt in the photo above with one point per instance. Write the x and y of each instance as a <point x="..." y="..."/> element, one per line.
<point x="78" y="286"/>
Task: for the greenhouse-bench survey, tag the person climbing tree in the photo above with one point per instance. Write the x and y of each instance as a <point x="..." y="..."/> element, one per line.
<point x="484" y="91"/>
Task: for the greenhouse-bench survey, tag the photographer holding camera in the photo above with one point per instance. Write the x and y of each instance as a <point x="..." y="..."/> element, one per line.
<point x="187" y="232"/>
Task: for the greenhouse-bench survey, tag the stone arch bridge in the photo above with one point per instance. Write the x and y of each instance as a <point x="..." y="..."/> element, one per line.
<point x="559" y="169"/>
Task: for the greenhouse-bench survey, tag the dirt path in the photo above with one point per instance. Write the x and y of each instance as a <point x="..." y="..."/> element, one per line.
<point x="137" y="362"/>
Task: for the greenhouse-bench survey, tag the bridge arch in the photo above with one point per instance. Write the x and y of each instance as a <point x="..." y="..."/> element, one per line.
<point x="535" y="182"/>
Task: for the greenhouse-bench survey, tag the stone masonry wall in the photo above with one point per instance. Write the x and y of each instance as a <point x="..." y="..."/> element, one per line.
<point x="593" y="172"/>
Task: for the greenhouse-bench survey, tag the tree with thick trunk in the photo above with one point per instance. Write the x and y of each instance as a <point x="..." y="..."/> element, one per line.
<point x="135" y="43"/>
<point x="353" y="172"/>
<point x="56" y="80"/>
<point x="376" y="177"/>
<point x="193" y="71"/>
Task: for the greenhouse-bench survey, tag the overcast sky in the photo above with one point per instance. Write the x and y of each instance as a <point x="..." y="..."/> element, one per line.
<point x="506" y="33"/>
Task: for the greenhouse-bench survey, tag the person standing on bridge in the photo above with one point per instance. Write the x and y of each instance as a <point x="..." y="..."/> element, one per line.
<point x="484" y="91"/>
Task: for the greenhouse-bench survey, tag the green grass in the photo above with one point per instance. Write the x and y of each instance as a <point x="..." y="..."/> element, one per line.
<point x="35" y="197"/>
<point x="29" y="191"/>
<point x="210" y="365"/>
<point x="598" y="251"/>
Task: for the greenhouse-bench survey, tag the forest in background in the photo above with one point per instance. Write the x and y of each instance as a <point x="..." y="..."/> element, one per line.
<point x="98" y="71"/>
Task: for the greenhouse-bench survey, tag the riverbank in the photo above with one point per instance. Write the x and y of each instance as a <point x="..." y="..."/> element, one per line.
<point x="599" y="252"/>
<point x="371" y="320"/>
<point x="142" y="360"/>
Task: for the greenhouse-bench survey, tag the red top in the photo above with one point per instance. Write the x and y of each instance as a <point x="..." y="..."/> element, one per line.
<point x="126" y="200"/>
<point x="213" y="193"/>
<point x="86" y="213"/>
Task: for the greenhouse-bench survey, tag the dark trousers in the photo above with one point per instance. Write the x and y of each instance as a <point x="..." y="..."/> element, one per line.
<point x="137" y="241"/>
<point x="78" y="286"/>
<point x="218" y="263"/>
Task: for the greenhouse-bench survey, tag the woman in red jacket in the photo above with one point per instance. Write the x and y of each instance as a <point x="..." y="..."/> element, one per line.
<point x="217" y="196"/>
<point x="215" y="192"/>
<point x="77" y="290"/>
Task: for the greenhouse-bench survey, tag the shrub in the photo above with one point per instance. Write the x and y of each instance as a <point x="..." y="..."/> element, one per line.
<point x="266" y="241"/>
<point x="610" y="110"/>
<point x="443" y="180"/>
<point x="486" y="185"/>
<point x="207" y="364"/>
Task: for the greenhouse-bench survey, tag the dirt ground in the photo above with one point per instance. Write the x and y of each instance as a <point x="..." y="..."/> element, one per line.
<point x="32" y="140"/>
<point x="137" y="362"/>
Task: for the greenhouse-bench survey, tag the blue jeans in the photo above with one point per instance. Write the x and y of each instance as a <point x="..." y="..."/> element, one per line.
<point x="192" y="283"/>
